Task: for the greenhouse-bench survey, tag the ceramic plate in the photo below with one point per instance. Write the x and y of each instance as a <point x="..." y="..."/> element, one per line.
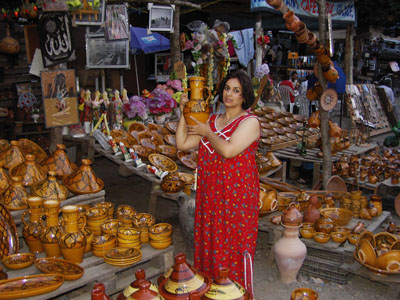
<point x="188" y="159"/>
<point x="171" y="126"/>
<point x="155" y="127"/>
<point x="163" y="162"/>
<point x="137" y="126"/>
<point x="28" y="286"/>
<point x="9" y="241"/>
<point x="170" y="139"/>
<point x="18" y="261"/>
<point x="167" y="150"/>
<point x="67" y="269"/>
<point x="121" y="253"/>
<point x="29" y="147"/>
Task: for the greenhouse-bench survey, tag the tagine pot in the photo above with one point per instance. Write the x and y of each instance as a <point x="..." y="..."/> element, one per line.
<point x="59" y="162"/>
<point x="14" y="198"/>
<point x="50" y="189"/>
<point x="5" y="180"/>
<point x="223" y="285"/>
<point x="33" y="229"/>
<point x="13" y="156"/>
<point x="183" y="280"/>
<point x="134" y="286"/>
<point x="83" y="180"/>
<point x="51" y="231"/>
<point x="72" y="241"/>
<point x="32" y="173"/>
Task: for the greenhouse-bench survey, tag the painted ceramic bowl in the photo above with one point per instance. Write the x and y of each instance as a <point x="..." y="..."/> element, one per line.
<point x="338" y="237"/>
<point x="18" y="261"/>
<point x="321" y="237"/>
<point x="389" y="261"/>
<point x="304" y="294"/>
<point x="129" y="244"/>
<point x="307" y="233"/>
<point x="340" y="216"/>
<point x="160" y="231"/>
<point x="342" y="229"/>
<point x="308" y="225"/>
<point x="111" y="226"/>
<point x="103" y="241"/>
<point x="125" y="213"/>
<point x="366" y="253"/>
<point x="143" y="220"/>
<point x="353" y="238"/>
<point x="131" y="234"/>
<point x="160" y="244"/>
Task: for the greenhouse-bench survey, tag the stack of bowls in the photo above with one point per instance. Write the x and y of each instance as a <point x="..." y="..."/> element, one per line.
<point x="102" y="244"/>
<point x="126" y="213"/>
<point x="111" y="226"/>
<point x="109" y="206"/>
<point x="121" y="257"/>
<point x="95" y="216"/>
<point x="89" y="238"/>
<point x="160" y="235"/>
<point x="128" y="238"/>
<point x="143" y="221"/>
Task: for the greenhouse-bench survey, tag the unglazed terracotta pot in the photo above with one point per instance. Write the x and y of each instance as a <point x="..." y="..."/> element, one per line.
<point x="51" y="232"/>
<point x="14" y="198"/>
<point x="292" y="216"/>
<point x="50" y="189"/>
<point x="59" y="162"/>
<point x="312" y="213"/>
<point x="32" y="173"/>
<point x="32" y="230"/>
<point x="289" y="252"/>
<point x="292" y="21"/>
<point x="73" y="240"/>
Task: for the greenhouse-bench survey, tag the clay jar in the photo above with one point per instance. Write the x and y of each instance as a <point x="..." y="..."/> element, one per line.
<point x="32" y="230"/>
<point x="302" y="33"/>
<point x="197" y="107"/>
<point x="292" y="21"/>
<point x="324" y="224"/>
<point x="14" y="198"/>
<point x="292" y="216"/>
<point x="73" y="240"/>
<point x="51" y="232"/>
<point x="312" y="213"/>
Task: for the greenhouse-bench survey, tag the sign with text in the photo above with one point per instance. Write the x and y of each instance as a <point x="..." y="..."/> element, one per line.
<point x="340" y="11"/>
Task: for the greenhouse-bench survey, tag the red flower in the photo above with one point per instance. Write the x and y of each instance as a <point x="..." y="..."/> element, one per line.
<point x="263" y="40"/>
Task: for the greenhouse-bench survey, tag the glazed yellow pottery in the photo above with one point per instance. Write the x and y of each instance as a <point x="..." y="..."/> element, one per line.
<point x="197" y="107"/>
<point x="5" y="180"/>
<point x="32" y="173"/>
<point x="366" y="253"/>
<point x="59" y="162"/>
<point x="304" y="294"/>
<point x="12" y="156"/>
<point x="32" y="230"/>
<point x="389" y="261"/>
<point x="96" y="216"/>
<point x="73" y="240"/>
<point x="51" y="189"/>
<point x="14" y="198"/>
<point x="51" y="232"/>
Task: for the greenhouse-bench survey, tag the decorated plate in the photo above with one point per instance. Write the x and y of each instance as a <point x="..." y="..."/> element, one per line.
<point x="163" y="162"/>
<point x="137" y="126"/>
<point x="187" y="178"/>
<point x="155" y="127"/>
<point x="29" y="286"/>
<point x="29" y="147"/>
<point x="18" y="261"/>
<point x="142" y="151"/>
<point x="69" y="270"/>
<point x="167" y="150"/>
<point x="9" y="241"/>
<point x="171" y="126"/>
<point x="188" y="159"/>
<point x="170" y="139"/>
<point x="121" y="253"/>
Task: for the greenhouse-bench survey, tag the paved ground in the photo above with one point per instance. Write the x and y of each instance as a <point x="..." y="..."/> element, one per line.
<point x="135" y="191"/>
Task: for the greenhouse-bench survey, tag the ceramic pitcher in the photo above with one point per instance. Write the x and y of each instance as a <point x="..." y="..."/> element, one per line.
<point x="33" y="229"/>
<point x="197" y="107"/>
<point x="52" y="231"/>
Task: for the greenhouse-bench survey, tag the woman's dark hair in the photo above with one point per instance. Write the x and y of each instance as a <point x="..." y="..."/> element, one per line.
<point x="247" y="87"/>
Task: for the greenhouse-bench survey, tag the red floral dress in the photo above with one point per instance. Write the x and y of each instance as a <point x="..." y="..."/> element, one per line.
<point x="226" y="218"/>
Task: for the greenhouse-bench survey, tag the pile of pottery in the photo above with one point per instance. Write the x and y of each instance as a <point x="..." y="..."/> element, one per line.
<point x="361" y="207"/>
<point x="120" y="257"/>
<point x="160" y="235"/>
<point x="379" y="252"/>
<point x="268" y="202"/>
<point x="267" y="162"/>
<point x="178" y="181"/>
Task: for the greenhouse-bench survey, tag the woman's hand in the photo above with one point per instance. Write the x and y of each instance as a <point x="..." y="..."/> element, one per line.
<point x="184" y="100"/>
<point x="198" y="129"/>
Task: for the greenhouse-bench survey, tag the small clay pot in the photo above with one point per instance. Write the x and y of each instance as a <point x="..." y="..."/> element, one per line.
<point x="292" y="21"/>
<point x="312" y="40"/>
<point x="292" y="216"/>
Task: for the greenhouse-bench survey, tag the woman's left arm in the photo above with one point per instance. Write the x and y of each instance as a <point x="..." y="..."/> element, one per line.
<point x="245" y="134"/>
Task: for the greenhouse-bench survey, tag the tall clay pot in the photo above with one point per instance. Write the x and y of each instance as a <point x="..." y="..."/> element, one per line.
<point x="289" y="252"/>
<point x="52" y="231"/>
<point x="73" y="240"/>
<point x="292" y="21"/>
<point x="33" y="229"/>
<point x="197" y="107"/>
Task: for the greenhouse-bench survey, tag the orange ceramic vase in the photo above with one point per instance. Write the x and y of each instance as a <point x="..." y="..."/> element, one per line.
<point x="50" y="189"/>
<point x="52" y="231"/>
<point x="14" y="198"/>
<point x="59" y="163"/>
<point x="197" y="107"/>
<point x="32" y="230"/>
<point x="13" y="156"/>
<point x="72" y="241"/>
<point x="30" y="171"/>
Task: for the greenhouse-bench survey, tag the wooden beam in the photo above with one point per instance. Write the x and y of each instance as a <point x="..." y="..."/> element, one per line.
<point x="168" y="2"/>
<point x="348" y="56"/>
<point x="259" y="32"/>
<point x="175" y="42"/>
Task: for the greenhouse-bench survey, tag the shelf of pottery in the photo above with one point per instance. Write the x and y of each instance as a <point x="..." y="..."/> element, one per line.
<point x="365" y="108"/>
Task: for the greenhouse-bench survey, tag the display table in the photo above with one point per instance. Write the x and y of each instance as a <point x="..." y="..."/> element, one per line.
<point x="84" y="146"/>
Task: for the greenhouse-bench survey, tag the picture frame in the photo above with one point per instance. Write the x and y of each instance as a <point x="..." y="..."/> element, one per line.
<point x="117" y="22"/>
<point x="101" y="54"/>
<point x="89" y="16"/>
<point x="60" y="102"/>
<point x="161" y="17"/>
<point x="54" y="5"/>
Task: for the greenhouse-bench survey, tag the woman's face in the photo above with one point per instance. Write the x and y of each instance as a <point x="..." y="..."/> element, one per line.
<point x="233" y="93"/>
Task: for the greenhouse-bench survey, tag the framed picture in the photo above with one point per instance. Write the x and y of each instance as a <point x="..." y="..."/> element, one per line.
<point x="54" y="5"/>
<point x="107" y="54"/>
<point x="55" y="38"/>
<point x="116" y="23"/>
<point x="59" y="98"/>
<point x="93" y="31"/>
<point x="90" y="13"/>
<point x="161" y="17"/>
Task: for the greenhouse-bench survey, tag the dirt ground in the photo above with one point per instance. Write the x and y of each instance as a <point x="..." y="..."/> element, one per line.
<point x="267" y="285"/>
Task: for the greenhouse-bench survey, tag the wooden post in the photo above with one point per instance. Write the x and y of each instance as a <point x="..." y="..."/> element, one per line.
<point x="259" y="32"/>
<point x="348" y="56"/>
<point x="175" y="44"/>
<point x="324" y="115"/>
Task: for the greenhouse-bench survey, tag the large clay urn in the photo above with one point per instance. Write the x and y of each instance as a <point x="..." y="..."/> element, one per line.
<point x="83" y="180"/>
<point x="59" y="163"/>
<point x="134" y="286"/>
<point x="223" y="288"/>
<point x="32" y="230"/>
<point x="312" y="214"/>
<point x="73" y="240"/>
<point x="32" y="173"/>
<point x="289" y="252"/>
<point x="4" y="178"/>
<point x="197" y="107"/>
<point x="13" y="156"/>
<point x="14" y="198"/>
<point x="183" y="280"/>
<point x="50" y="189"/>
<point x="51" y="232"/>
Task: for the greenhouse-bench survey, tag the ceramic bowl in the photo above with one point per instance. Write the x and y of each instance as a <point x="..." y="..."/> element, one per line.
<point x="321" y="237"/>
<point x="143" y="220"/>
<point x="131" y="234"/>
<point x="340" y="216"/>
<point x="308" y="225"/>
<point x="161" y="244"/>
<point x="389" y="261"/>
<point x="110" y="226"/>
<point x="103" y="242"/>
<point x="338" y="237"/>
<point x="160" y="231"/>
<point x="129" y="244"/>
<point x="307" y="233"/>
<point x="366" y="253"/>
<point x="125" y="213"/>
<point x="18" y="261"/>
<point x="109" y="206"/>
<point x="96" y="213"/>
<point x="353" y="238"/>
<point x="342" y="229"/>
<point x="304" y="294"/>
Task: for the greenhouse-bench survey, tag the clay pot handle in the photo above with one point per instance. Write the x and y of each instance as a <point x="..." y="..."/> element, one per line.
<point x="84" y="222"/>
<point x="23" y="217"/>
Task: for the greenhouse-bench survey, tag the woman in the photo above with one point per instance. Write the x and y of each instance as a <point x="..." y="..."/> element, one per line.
<point x="226" y="220"/>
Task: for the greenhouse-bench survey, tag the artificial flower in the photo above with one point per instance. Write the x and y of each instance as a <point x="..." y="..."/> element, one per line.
<point x="176" y="84"/>
<point x="136" y="107"/>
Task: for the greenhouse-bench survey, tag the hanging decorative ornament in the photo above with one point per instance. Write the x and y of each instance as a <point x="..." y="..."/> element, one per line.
<point x="329" y="99"/>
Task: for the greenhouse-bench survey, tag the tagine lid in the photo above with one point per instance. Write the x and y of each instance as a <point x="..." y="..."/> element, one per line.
<point x="144" y="292"/>
<point x="59" y="162"/>
<point x="84" y="180"/>
<point x="223" y="285"/>
<point x="134" y="286"/>
<point x="12" y="156"/>
<point x="31" y="172"/>
<point x="51" y="189"/>
<point x="184" y="280"/>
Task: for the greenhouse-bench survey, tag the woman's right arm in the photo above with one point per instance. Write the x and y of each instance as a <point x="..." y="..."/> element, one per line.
<point x="185" y="142"/>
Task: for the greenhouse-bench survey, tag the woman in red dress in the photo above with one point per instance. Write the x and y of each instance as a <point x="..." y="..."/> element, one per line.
<point x="226" y="218"/>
